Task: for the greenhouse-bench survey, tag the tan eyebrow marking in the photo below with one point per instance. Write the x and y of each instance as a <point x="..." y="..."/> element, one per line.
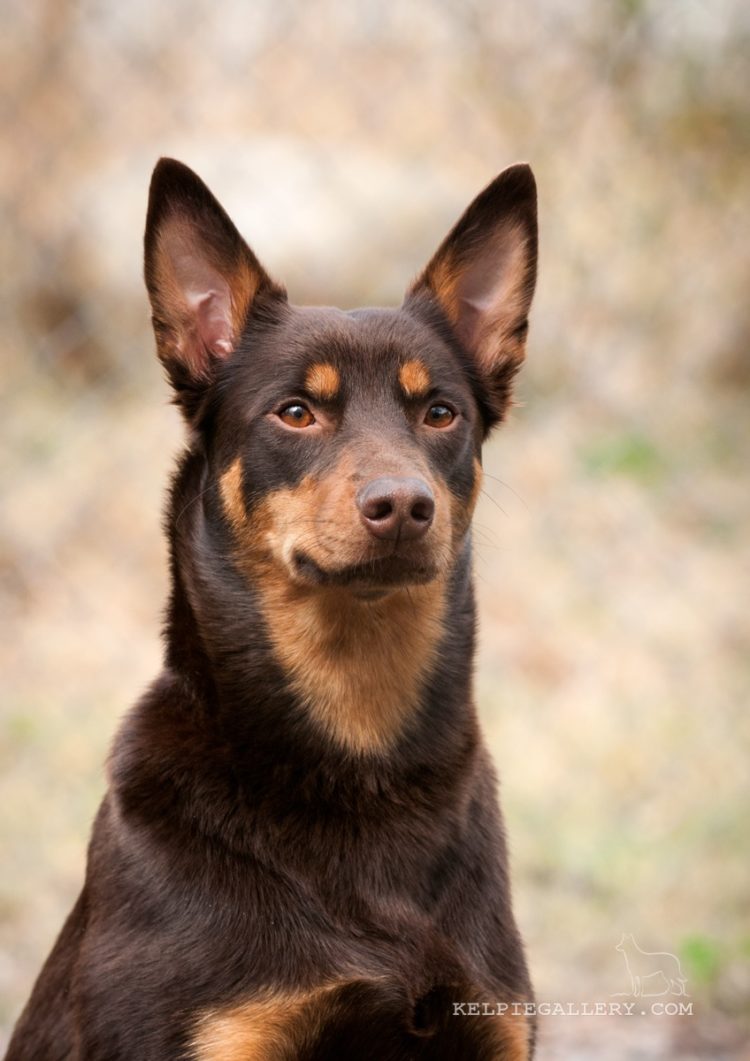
<point x="414" y="379"/>
<point x="322" y="381"/>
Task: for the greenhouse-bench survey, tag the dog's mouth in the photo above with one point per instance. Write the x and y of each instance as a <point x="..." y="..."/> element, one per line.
<point x="370" y="579"/>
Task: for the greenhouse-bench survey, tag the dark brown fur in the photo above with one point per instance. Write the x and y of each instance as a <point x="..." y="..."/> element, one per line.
<point x="300" y="854"/>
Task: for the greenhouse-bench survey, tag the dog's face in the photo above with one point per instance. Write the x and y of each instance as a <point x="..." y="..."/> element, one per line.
<point x="343" y="446"/>
<point x="348" y="445"/>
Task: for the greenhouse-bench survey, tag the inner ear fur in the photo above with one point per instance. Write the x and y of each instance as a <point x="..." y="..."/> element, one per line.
<point x="483" y="277"/>
<point x="202" y="278"/>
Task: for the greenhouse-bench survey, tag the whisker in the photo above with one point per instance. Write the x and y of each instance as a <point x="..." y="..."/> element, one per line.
<point x="189" y="503"/>
<point x="507" y="487"/>
<point x="494" y="502"/>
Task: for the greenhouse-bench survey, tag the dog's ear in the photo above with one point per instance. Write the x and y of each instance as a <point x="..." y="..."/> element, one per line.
<point x="483" y="276"/>
<point x="202" y="278"/>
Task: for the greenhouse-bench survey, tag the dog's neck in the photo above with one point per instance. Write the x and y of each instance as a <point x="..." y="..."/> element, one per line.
<point x="362" y="674"/>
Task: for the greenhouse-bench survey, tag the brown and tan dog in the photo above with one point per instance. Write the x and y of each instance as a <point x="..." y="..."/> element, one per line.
<point x="301" y="855"/>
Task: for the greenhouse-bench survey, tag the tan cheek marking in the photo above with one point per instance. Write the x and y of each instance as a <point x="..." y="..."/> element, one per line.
<point x="322" y="381"/>
<point x="477" y="486"/>
<point x="414" y="379"/>
<point x="463" y="511"/>
<point x="230" y="486"/>
<point x="262" y="533"/>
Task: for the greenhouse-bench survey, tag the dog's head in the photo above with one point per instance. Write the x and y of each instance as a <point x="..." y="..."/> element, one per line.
<point x="342" y="448"/>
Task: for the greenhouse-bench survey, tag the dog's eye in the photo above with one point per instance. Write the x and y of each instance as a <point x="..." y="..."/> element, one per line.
<point x="439" y="416"/>
<point x="296" y="415"/>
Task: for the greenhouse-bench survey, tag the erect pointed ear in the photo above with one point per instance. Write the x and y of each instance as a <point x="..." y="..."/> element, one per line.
<point x="483" y="277"/>
<point x="202" y="278"/>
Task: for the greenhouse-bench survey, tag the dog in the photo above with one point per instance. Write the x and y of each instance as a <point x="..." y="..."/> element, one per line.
<point x="300" y="854"/>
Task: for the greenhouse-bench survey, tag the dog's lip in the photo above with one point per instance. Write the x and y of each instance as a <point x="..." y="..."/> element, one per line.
<point x="369" y="580"/>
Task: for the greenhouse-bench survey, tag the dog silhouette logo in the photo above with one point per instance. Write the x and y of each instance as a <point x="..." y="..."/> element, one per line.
<point x="652" y="973"/>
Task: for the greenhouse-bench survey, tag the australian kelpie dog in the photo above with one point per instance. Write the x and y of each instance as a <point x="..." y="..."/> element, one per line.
<point x="301" y="855"/>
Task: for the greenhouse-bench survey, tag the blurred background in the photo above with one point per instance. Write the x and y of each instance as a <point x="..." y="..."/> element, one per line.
<point x="612" y="539"/>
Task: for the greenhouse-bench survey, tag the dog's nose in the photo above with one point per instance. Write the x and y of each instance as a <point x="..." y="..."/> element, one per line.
<point x="401" y="509"/>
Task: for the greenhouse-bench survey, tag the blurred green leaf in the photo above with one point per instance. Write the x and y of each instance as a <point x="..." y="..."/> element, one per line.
<point x="630" y="453"/>
<point x="21" y="729"/>
<point x="703" y="958"/>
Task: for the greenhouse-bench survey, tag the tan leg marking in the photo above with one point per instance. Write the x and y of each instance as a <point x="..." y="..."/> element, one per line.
<point x="508" y="1035"/>
<point x="271" y="1029"/>
<point x="322" y="381"/>
<point x="414" y="379"/>
<point x="515" y="1036"/>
